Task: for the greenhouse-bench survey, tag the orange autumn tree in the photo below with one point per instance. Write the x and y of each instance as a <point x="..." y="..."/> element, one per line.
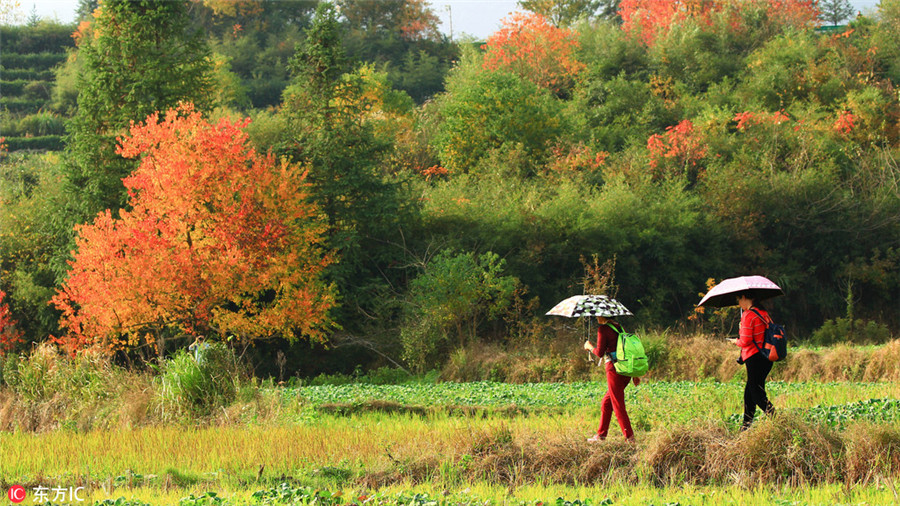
<point x="220" y="241"/>
<point x="652" y="19"/>
<point x="530" y="46"/>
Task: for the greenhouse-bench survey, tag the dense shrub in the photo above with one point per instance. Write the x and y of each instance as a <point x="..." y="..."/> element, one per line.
<point x="27" y="74"/>
<point x="45" y="373"/>
<point x="22" y="104"/>
<point x="45" y="36"/>
<point x="194" y="383"/>
<point x="448" y="301"/>
<point x="43" y="143"/>
<point x="485" y="111"/>
<point x="34" y="61"/>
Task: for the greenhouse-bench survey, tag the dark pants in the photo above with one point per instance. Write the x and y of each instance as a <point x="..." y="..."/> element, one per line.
<point x="758" y="368"/>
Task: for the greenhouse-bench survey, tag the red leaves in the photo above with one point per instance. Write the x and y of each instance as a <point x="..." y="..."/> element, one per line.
<point x="652" y="19"/>
<point x="745" y="119"/>
<point x="679" y="143"/>
<point x="435" y="171"/>
<point x="220" y="240"/>
<point x="528" y="45"/>
<point x="844" y="123"/>
<point x="418" y="21"/>
<point x="575" y="159"/>
<point x="9" y="335"/>
<point x="648" y="18"/>
<point x="749" y="119"/>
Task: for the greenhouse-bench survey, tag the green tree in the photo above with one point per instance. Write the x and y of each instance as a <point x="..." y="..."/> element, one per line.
<point x="327" y="130"/>
<point x="835" y="11"/>
<point x="563" y="12"/>
<point x="448" y="301"/>
<point x="258" y="37"/>
<point x="139" y="56"/>
<point x="487" y="113"/>
<point x="402" y="38"/>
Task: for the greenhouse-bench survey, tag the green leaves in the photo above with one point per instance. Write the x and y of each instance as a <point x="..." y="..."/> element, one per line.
<point x="139" y="57"/>
<point x="494" y="111"/>
<point x="448" y="300"/>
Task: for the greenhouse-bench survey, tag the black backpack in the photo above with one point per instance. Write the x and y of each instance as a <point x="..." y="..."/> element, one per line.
<point x="774" y="340"/>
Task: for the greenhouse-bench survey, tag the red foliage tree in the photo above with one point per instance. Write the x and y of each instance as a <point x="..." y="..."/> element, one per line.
<point x="221" y="240"/>
<point x="528" y="45"/>
<point x="9" y="335"/>
<point x="652" y="19"/>
<point x="679" y="144"/>
<point x="747" y="119"/>
<point x="845" y="122"/>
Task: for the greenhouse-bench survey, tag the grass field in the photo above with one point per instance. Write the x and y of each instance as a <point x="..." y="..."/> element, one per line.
<point x="462" y="443"/>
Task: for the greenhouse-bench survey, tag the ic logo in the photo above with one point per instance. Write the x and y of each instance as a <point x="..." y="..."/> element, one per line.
<point x="17" y="493"/>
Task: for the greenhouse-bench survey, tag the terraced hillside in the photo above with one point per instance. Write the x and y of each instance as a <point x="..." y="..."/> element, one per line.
<point x="28" y="56"/>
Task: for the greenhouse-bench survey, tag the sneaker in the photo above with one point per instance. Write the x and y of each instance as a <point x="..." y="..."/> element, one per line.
<point x="595" y="439"/>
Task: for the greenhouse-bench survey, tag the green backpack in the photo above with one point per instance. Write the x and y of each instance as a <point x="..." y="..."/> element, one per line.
<point x="631" y="359"/>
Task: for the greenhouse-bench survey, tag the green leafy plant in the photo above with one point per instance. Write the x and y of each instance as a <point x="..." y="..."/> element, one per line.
<point x="196" y="383"/>
<point x="449" y="299"/>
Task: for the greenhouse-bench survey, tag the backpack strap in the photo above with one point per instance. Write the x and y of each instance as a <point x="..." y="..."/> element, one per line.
<point x="761" y="316"/>
<point x="764" y="337"/>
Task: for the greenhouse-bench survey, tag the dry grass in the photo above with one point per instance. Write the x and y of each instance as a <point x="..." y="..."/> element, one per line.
<point x="843" y="363"/>
<point x="686" y="455"/>
<point x="379" y="450"/>
<point x="884" y="363"/>
<point x="802" y="365"/>
<point x="697" y="357"/>
<point x="872" y="452"/>
<point x="685" y="358"/>
<point x="786" y="450"/>
<point x="480" y="362"/>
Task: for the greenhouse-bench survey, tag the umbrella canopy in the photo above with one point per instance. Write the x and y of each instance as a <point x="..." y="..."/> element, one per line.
<point x="723" y="294"/>
<point x="589" y="305"/>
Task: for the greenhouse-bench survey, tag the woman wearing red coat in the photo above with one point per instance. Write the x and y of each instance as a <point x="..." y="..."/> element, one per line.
<point x="751" y="339"/>
<point x="614" y="400"/>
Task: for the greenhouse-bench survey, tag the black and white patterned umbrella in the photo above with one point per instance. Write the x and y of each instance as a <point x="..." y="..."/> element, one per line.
<point x="590" y="305"/>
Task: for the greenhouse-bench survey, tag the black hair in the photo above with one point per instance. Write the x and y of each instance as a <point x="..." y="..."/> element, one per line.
<point x="753" y="296"/>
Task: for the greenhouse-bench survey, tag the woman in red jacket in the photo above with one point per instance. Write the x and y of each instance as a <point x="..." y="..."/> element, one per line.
<point x="751" y="340"/>
<point x="614" y="400"/>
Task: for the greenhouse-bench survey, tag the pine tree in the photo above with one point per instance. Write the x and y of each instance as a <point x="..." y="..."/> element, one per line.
<point x="835" y="11"/>
<point x="139" y="56"/>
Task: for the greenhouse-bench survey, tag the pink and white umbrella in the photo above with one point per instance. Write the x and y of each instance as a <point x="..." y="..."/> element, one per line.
<point x="725" y="292"/>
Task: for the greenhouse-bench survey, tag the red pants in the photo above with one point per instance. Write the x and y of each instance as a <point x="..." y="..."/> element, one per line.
<point x="614" y="400"/>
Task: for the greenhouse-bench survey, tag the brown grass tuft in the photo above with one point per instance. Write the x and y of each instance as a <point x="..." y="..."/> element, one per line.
<point x="800" y="365"/>
<point x="844" y="363"/>
<point x="686" y="454"/>
<point x="873" y="451"/>
<point x="883" y="363"/>
<point x="611" y="461"/>
<point x="698" y="357"/>
<point x="554" y="457"/>
<point x="479" y="361"/>
<point x="787" y="450"/>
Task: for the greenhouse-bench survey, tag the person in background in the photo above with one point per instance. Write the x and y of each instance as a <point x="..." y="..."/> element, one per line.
<point x="751" y="339"/>
<point x="614" y="400"/>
